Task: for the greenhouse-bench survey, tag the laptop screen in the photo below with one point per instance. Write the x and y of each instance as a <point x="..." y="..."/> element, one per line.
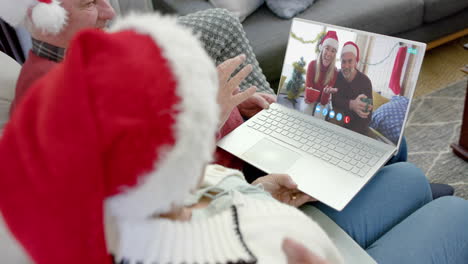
<point x="357" y="80"/>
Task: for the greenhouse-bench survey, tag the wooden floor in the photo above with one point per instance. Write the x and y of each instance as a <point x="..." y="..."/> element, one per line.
<point x="441" y="66"/>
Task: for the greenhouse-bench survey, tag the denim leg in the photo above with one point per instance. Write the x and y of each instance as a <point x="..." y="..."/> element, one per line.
<point x="436" y="233"/>
<point x="402" y="154"/>
<point x="392" y="195"/>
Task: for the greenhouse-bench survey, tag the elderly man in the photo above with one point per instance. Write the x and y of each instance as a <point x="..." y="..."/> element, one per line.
<point x="49" y="47"/>
<point x="220" y="32"/>
<point x="354" y="88"/>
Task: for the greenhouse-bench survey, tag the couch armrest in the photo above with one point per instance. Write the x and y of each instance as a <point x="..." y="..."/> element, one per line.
<point x="123" y="7"/>
<point x="8" y="76"/>
<point x="181" y="7"/>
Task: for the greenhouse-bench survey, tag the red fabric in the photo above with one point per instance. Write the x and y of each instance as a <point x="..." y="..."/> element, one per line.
<point x="310" y="79"/>
<point x="33" y="68"/>
<point x="223" y="157"/>
<point x="330" y="35"/>
<point x="397" y="70"/>
<point x="74" y="129"/>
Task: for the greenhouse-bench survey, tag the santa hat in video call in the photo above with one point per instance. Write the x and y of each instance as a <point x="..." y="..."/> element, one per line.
<point x="46" y="15"/>
<point x="330" y="39"/>
<point x="351" y="47"/>
<point x="125" y="124"/>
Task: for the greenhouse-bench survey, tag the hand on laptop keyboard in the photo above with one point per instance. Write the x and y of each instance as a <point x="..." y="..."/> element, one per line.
<point x="255" y="104"/>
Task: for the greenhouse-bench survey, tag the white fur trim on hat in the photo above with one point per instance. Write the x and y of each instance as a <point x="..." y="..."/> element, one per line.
<point x="330" y="42"/>
<point x="50" y="18"/>
<point x="178" y="171"/>
<point x="349" y="48"/>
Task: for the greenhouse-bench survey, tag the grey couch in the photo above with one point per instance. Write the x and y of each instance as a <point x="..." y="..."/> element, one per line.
<point x="421" y="20"/>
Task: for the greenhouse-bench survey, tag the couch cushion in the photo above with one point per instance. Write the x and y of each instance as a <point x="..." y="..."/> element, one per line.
<point x="181" y="7"/>
<point x="437" y="29"/>
<point x="240" y="8"/>
<point x="8" y="76"/>
<point x="388" y="119"/>
<point x="268" y="34"/>
<point x="437" y="9"/>
<point x="124" y="7"/>
<point x="288" y="9"/>
<point x="10" y="249"/>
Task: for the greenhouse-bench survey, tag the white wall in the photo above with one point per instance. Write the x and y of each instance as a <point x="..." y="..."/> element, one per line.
<point x="382" y="51"/>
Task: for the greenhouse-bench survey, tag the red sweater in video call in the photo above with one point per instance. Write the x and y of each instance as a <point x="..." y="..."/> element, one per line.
<point x="310" y="77"/>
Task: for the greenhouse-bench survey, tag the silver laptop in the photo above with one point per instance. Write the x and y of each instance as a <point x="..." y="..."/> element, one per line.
<point x="330" y="147"/>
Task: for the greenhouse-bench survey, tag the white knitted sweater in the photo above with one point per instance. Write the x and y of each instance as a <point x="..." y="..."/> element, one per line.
<point x="243" y="224"/>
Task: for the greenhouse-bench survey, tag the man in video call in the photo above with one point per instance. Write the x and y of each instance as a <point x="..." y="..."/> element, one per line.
<point x="354" y="96"/>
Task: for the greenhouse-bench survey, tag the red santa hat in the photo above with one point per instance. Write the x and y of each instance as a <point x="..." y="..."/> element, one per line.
<point x="126" y="123"/>
<point x="330" y="39"/>
<point x="46" y="15"/>
<point x="351" y="47"/>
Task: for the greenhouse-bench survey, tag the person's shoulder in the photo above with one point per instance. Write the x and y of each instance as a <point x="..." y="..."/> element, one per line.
<point x="363" y="77"/>
<point x="36" y="63"/>
<point x="312" y="64"/>
<point x="33" y="69"/>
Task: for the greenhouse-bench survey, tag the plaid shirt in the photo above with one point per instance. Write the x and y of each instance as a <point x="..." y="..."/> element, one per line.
<point x="47" y="51"/>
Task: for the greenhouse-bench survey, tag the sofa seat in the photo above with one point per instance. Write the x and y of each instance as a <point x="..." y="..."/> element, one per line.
<point x="10" y="249"/>
<point x="428" y="32"/>
<point x="419" y="20"/>
<point x="437" y="9"/>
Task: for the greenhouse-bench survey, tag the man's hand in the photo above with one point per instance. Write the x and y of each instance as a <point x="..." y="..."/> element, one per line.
<point x="298" y="254"/>
<point x="255" y="104"/>
<point x="359" y="106"/>
<point x="283" y="189"/>
<point x="330" y="90"/>
<point x="229" y="95"/>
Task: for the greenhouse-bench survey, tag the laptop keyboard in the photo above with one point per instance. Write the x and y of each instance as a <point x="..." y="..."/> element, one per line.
<point x="330" y="146"/>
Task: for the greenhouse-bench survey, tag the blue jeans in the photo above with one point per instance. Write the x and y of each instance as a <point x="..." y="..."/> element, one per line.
<point x="402" y="154"/>
<point x="436" y="233"/>
<point x="394" y="218"/>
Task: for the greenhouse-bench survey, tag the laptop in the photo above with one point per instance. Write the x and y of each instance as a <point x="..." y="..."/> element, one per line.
<point x="330" y="149"/>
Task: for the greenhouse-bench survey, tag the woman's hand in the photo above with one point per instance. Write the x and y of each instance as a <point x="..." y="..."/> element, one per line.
<point x="298" y="254"/>
<point x="229" y="95"/>
<point x="283" y="189"/>
<point x="330" y="90"/>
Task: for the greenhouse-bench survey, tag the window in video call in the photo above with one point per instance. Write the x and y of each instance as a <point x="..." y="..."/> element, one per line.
<point x="358" y="81"/>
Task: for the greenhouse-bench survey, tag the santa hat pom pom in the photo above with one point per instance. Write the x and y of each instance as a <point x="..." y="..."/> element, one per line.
<point x="49" y="17"/>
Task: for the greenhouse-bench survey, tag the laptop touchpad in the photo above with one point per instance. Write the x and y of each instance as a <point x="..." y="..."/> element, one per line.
<point x="270" y="156"/>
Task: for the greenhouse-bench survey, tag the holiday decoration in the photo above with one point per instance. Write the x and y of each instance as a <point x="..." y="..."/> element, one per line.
<point x="46" y="15"/>
<point x="296" y="85"/>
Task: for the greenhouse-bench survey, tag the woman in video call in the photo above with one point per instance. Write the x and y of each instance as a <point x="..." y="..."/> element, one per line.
<point x="321" y="73"/>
